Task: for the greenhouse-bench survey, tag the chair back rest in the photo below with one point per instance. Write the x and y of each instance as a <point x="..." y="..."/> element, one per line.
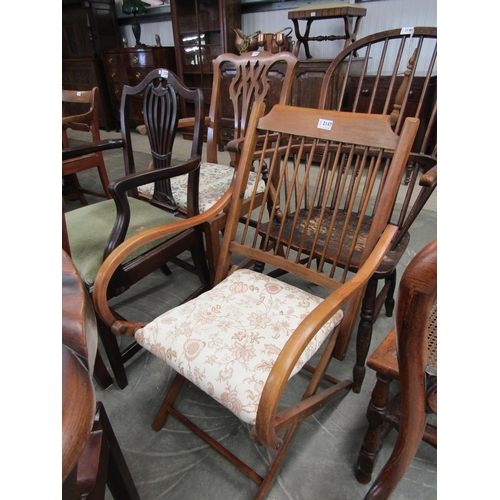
<point x="416" y="326"/>
<point x="332" y="181"/>
<point x="82" y="110"/>
<point x="161" y="91"/>
<point x="238" y="81"/>
<point x="393" y="73"/>
<point x="329" y="172"/>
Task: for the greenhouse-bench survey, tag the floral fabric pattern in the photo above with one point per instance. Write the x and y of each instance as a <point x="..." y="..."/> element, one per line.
<point x="215" y="180"/>
<point x="226" y="340"/>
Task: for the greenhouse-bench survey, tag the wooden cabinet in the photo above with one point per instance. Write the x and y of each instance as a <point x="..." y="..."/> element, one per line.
<point x="203" y="29"/>
<point x="88" y="28"/>
<point x="129" y="67"/>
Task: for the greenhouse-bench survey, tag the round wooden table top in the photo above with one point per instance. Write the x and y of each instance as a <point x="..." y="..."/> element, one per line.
<point x="79" y="336"/>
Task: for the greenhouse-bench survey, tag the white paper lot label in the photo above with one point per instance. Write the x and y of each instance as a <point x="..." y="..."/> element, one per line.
<point x="325" y="124"/>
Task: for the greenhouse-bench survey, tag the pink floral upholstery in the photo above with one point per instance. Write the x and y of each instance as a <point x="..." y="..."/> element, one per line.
<point x="215" y="180"/>
<point x="227" y="340"/>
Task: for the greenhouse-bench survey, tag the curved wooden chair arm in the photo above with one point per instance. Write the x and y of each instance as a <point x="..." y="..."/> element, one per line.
<point x="92" y="147"/>
<point x="429" y="179"/>
<point x="120" y="253"/>
<point x="120" y="187"/>
<point x="268" y="423"/>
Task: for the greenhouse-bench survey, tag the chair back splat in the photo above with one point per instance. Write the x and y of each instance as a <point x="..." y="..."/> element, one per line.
<point x="244" y="339"/>
<point x="392" y="72"/>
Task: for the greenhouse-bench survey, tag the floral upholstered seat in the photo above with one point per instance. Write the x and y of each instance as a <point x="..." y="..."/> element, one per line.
<point x="215" y="180"/>
<point x="226" y="340"/>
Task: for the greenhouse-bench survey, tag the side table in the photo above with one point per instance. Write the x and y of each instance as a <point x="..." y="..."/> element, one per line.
<point x="335" y="10"/>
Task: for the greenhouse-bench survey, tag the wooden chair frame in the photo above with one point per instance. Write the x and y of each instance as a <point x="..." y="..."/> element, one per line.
<point x="86" y="122"/>
<point x="389" y="52"/>
<point x="408" y="354"/>
<point x="254" y="75"/>
<point x="161" y="90"/>
<point x="263" y="139"/>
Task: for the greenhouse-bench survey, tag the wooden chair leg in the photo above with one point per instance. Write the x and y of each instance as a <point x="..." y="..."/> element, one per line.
<point x="173" y="392"/>
<point x="389" y="300"/>
<point x="110" y="344"/>
<point x="101" y="373"/>
<point x="377" y="429"/>
<point x="364" y="335"/>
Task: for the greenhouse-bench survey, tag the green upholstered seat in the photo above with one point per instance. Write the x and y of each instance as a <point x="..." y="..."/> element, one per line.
<point x="89" y="229"/>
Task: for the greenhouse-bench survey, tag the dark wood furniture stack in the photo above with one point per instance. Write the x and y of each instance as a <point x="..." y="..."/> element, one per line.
<point x="88" y="29"/>
<point x="129" y="67"/>
<point x="91" y="455"/>
<point x="203" y="29"/>
<point x="408" y="355"/>
<point x="251" y="344"/>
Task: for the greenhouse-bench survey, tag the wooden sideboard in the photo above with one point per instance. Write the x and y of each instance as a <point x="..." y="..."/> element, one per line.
<point x="129" y="67"/>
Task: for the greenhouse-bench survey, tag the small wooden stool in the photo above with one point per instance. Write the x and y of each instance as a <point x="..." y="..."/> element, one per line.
<point x="334" y="10"/>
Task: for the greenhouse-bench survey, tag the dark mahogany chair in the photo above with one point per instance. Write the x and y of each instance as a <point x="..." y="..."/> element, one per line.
<point x="94" y="231"/>
<point x="408" y="355"/>
<point x="80" y="111"/>
<point x="392" y="72"/>
<point x="244" y="339"/>
<point x="238" y="81"/>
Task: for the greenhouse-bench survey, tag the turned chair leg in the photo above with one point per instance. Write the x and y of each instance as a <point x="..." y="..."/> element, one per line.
<point x="364" y="335"/>
<point x="377" y="429"/>
<point x="389" y="300"/>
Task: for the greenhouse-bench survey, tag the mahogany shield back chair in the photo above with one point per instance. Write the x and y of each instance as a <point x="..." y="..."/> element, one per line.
<point x="84" y="106"/>
<point x="392" y="72"/>
<point x="408" y="354"/>
<point x="244" y="339"/>
<point x="238" y="81"/>
<point x="95" y="230"/>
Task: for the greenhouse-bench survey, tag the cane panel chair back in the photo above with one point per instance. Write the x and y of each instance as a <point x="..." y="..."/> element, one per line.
<point x="80" y="111"/>
<point x="94" y="231"/>
<point x="392" y="72"/>
<point x="241" y="341"/>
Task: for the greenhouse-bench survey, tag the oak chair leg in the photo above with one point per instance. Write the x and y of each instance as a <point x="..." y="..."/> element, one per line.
<point x="173" y="392"/>
<point x="377" y="428"/>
